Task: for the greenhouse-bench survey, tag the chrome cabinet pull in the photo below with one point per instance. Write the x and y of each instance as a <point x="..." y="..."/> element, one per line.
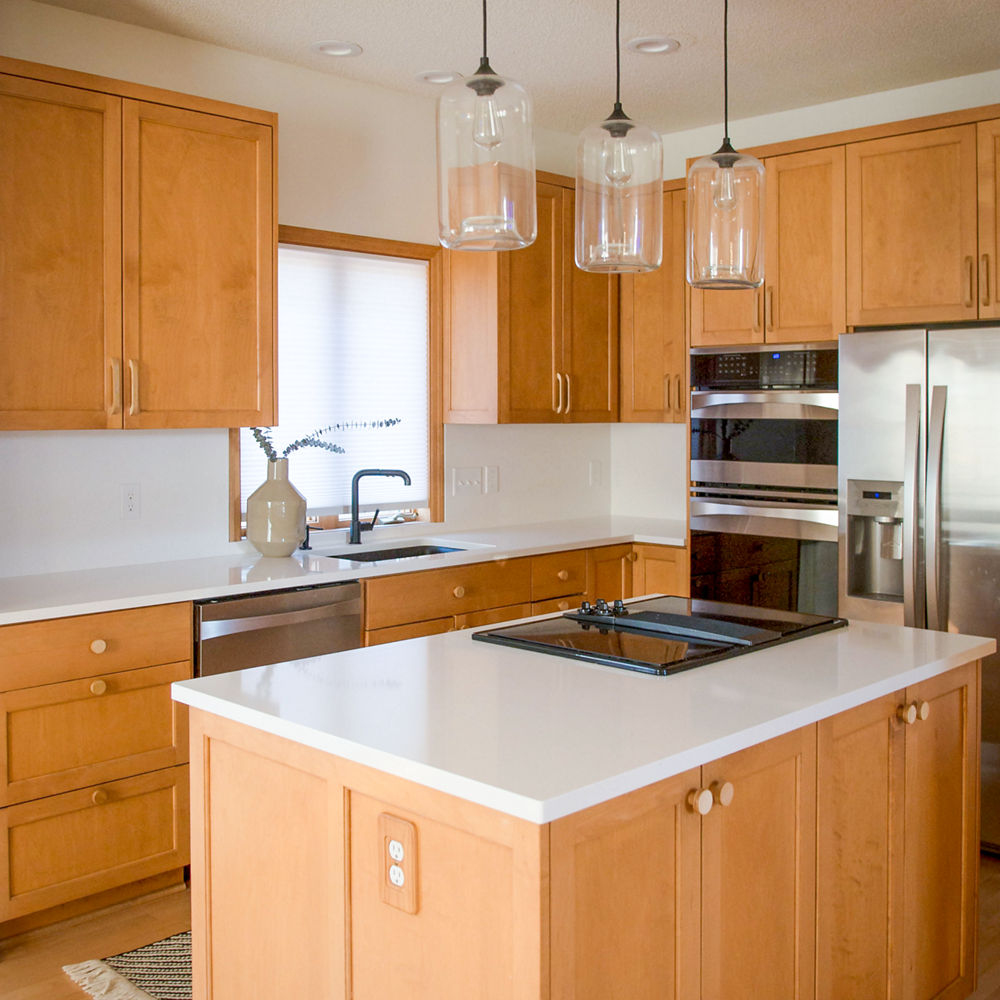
<point x="568" y="393"/>
<point x="984" y="278"/>
<point x="558" y="406"/>
<point x="116" y="385"/>
<point x="680" y="397"/>
<point x="666" y="393"/>
<point x="769" y="309"/>
<point x="133" y="403"/>
<point x="970" y="268"/>
<point x="755" y="325"/>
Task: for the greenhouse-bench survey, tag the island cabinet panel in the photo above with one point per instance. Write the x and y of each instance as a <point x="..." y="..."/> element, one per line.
<point x="758" y="871"/>
<point x="626" y="902"/>
<point x="912" y="259"/>
<point x="898" y="843"/>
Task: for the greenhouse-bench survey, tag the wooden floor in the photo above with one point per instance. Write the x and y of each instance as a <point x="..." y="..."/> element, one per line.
<point x="31" y="965"/>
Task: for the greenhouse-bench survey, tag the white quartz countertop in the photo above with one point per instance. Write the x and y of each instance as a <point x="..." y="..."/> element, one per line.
<point x="59" y="595"/>
<point x="540" y="736"/>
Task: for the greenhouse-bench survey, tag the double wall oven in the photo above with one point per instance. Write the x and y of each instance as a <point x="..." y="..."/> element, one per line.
<point x="764" y="476"/>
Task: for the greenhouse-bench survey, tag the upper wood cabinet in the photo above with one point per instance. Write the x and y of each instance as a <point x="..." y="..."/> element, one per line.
<point x="989" y="218"/>
<point x="529" y="338"/>
<point x="653" y="337"/>
<point x="803" y="297"/>
<point x="911" y="224"/>
<point x="137" y="286"/>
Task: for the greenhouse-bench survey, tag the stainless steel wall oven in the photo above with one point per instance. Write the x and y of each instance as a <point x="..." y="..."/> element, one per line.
<point x="764" y="476"/>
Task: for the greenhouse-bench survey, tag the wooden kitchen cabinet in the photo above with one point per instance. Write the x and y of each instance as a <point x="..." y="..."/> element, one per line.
<point x="911" y="224"/>
<point x="661" y="569"/>
<point x="654" y="370"/>
<point x="138" y="284"/>
<point x="529" y="338"/>
<point x="988" y="137"/>
<point x="897" y="849"/>
<point x="609" y="572"/>
<point x="803" y="298"/>
<point x="92" y="753"/>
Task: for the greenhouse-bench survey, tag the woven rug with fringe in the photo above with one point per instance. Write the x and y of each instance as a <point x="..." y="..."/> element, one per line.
<point x="157" y="971"/>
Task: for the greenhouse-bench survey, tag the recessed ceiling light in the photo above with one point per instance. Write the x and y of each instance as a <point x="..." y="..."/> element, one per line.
<point x="653" y="45"/>
<point x="336" y="48"/>
<point x="438" y="76"/>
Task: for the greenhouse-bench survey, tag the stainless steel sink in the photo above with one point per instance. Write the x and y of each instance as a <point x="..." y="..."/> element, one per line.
<point x="400" y="552"/>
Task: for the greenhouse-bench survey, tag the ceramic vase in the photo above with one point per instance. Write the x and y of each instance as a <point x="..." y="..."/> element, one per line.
<point x="276" y="513"/>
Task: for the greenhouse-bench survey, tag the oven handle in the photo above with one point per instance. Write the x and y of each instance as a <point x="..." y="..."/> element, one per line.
<point x="816" y="523"/>
<point x="776" y="404"/>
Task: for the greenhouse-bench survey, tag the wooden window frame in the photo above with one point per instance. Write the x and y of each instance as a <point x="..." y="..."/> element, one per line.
<point x="434" y="256"/>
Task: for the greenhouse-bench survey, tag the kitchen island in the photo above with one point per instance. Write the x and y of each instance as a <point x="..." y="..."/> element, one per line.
<point x="443" y="818"/>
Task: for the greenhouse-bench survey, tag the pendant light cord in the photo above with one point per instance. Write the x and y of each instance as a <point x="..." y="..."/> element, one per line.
<point x="725" y="66"/>
<point x="618" y="53"/>
<point x="484" y="32"/>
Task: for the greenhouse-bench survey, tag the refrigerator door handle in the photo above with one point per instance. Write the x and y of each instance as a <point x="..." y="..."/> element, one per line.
<point x="913" y="606"/>
<point x="936" y="618"/>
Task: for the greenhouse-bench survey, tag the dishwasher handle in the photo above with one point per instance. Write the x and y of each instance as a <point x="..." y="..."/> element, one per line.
<point x="230" y="626"/>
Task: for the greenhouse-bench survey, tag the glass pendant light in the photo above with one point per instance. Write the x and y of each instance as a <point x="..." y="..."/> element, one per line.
<point x="486" y="162"/>
<point x="725" y="211"/>
<point x="619" y="190"/>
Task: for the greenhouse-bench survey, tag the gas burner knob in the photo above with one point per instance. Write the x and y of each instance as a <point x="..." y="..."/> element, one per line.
<point x="602" y="607"/>
<point x="585" y="608"/>
<point x="619" y="607"/>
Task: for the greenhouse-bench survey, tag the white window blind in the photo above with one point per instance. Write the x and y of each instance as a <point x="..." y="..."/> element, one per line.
<point x="352" y="347"/>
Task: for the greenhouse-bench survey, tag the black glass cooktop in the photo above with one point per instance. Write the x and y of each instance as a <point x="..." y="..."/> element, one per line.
<point x="659" y="635"/>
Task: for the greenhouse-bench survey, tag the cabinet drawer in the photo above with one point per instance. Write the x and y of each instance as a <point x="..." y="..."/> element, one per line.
<point x="493" y="616"/>
<point x="555" y="605"/>
<point x="414" y="597"/>
<point x="73" y="845"/>
<point x="60" y="649"/>
<point x="558" y="574"/>
<point x="58" y="737"/>
<point x="411" y="630"/>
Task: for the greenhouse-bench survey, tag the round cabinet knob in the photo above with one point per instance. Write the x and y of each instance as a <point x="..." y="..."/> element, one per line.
<point x="563" y="574"/>
<point x="923" y="710"/>
<point x="700" y="801"/>
<point x="722" y="792"/>
<point x="99" y="797"/>
<point x="459" y="591"/>
<point x="907" y="714"/>
<point x="632" y="556"/>
<point x="98" y="646"/>
<point x="98" y="686"/>
<point x="563" y="605"/>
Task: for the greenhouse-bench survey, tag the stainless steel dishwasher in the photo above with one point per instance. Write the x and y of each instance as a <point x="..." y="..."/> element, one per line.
<point x="253" y="629"/>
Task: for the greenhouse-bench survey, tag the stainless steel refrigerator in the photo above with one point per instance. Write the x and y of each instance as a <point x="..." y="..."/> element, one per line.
<point x="919" y="496"/>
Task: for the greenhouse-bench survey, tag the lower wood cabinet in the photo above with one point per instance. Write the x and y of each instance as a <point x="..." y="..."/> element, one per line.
<point x="834" y="861"/>
<point x="661" y="569"/>
<point x="93" y="782"/>
<point x="898" y="844"/>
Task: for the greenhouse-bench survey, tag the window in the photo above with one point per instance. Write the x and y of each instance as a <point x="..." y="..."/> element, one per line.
<point x="357" y="334"/>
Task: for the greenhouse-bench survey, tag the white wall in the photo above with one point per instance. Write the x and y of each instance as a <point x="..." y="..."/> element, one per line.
<point x="339" y="168"/>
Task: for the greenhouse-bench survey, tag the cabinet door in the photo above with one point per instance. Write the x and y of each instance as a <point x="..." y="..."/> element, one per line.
<point x="804" y="294"/>
<point x="661" y="569"/>
<point x="60" y="279"/>
<point x="530" y="336"/>
<point x="989" y="218"/>
<point x="727" y="316"/>
<point x="624" y="897"/>
<point x="199" y="251"/>
<point x="911" y="224"/>
<point x="941" y="856"/>
<point x="860" y="850"/>
<point x="609" y="572"/>
<point x="758" y="877"/>
<point x="652" y="333"/>
<point x="589" y="334"/>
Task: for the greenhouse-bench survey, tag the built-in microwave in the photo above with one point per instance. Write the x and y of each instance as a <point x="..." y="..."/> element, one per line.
<point x="763" y="499"/>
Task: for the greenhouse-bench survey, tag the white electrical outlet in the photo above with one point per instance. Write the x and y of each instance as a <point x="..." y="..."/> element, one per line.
<point x="131" y="502"/>
<point x="466" y="479"/>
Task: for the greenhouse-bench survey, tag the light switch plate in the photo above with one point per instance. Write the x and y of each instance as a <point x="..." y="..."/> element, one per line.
<point x="466" y="479"/>
<point x="399" y="875"/>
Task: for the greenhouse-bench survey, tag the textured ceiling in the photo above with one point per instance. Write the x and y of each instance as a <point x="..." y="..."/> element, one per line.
<point x="783" y="53"/>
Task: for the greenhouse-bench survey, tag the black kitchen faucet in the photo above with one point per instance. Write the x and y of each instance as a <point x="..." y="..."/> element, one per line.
<point x="356" y="526"/>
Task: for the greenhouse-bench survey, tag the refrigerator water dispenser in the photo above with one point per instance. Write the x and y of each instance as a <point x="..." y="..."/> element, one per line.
<point x="875" y="539"/>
